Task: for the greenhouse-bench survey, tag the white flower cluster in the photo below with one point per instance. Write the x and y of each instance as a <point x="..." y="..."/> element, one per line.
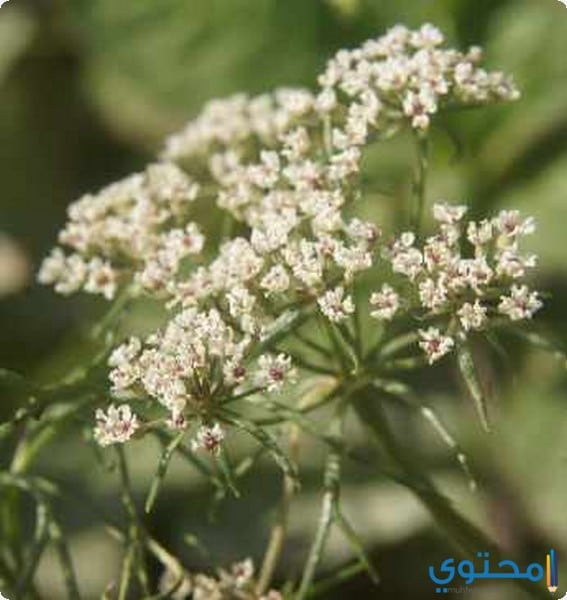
<point x="405" y="75"/>
<point x="293" y="196"/>
<point x="465" y="273"/>
<point x="136" y="227"/>
<point x="115" y="426"/>
<point x="195" y="359"/>
<point x="236" y="583"/>
<point x="286" y="167"/>
<point x="300" y="243"/>
<point x="234" y="123"/>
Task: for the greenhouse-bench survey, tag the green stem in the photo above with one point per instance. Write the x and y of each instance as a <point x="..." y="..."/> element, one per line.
<point x="328" y="512"/>
<point x="323" y="529"/>
<point x="41" y="538"/>
<point x="111" y="317"/>
<point x="462" y="533"/>
<point x="69" y="575"/>
<point x="279" y="529"/>
<point x="314" y="345"/>
<point x="420" y="182"/>
<point x="135" y="533"/>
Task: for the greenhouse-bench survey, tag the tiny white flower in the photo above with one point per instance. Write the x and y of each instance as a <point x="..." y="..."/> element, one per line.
<point x="242" y="572"/>
<point x="408" y="262"/>
<point x="240" y="302"/>
<point x="427" y="36"/>
<point x="481" y="233"/>
<point x="352" y="259"/>
<point x="476" y="272"/>
<point x="274" y="371"/>
<point x="385" y="303"/>
<point x="472" y="316"/>
<point x="101" y="278"/>
<point x="510" y="224"/>
<point x="433" y="294"/>
<point x="296" y="144"/>
<point x="448" y="213"/>
<point x="276" y="280"/>
<point x="437" y="253"/>
<point x="125" y="353"/>
<point x="520" y="304"/>
<point x="420" y="106"/>
<point x="52" y="267"/>
<point x="209" y="438"/>
<point x="362" y="230"/>
<point x="115" y="426"/>
<point x="511" y="264"/>
<point x="434" y="343"/>
<point x="326" y="100"/>
<point x="176" y="420"/>
<point x="335" y="305"/>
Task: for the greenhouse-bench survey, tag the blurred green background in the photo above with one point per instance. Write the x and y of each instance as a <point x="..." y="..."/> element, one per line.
<point x="89" y="88"/>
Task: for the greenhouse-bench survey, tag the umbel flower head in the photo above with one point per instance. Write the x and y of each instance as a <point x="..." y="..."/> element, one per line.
<point x="465" y="276"/>
<point x="133" y="230"/>
<point x="405" y="75"/>
<point x="283" y="170"/>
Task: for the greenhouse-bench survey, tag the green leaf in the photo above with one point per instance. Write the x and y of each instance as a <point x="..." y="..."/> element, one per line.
<point x="267" y="440"/>
<point x="471" y="379"/>
<point x="356" y="544"/>
<point x="192" y="458"/>
<point x="403" y="392"/>
<point x="225" y="467"/>
<point x="287" y="322"/>
<point x="40" y="540"/>
<point x="165" y="459"/>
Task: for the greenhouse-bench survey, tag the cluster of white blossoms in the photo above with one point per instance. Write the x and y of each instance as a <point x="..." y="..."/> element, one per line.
<point x="238" y="123"/>
<point x="116" y="425"/>
<point x="282" y="173"/>
<point x="284" y="169"/>
<point x="464" y="275"/>
<point x="405" y="75"/>
<point x="197" y="358"/>
<point x="292" y="200"/>
<point x="236" y="583"/>
<point x="136" y="229"/>
<point x="300" y="244"/>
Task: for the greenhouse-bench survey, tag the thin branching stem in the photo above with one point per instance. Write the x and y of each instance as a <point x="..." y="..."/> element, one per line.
<point x="420" y="182"/>
<point x="328" y="512"/>
<point x="279" y="529"/>
<point x="135" y="529"/>
<point x="314" y="345"/>
<point x="64" y="555"/>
